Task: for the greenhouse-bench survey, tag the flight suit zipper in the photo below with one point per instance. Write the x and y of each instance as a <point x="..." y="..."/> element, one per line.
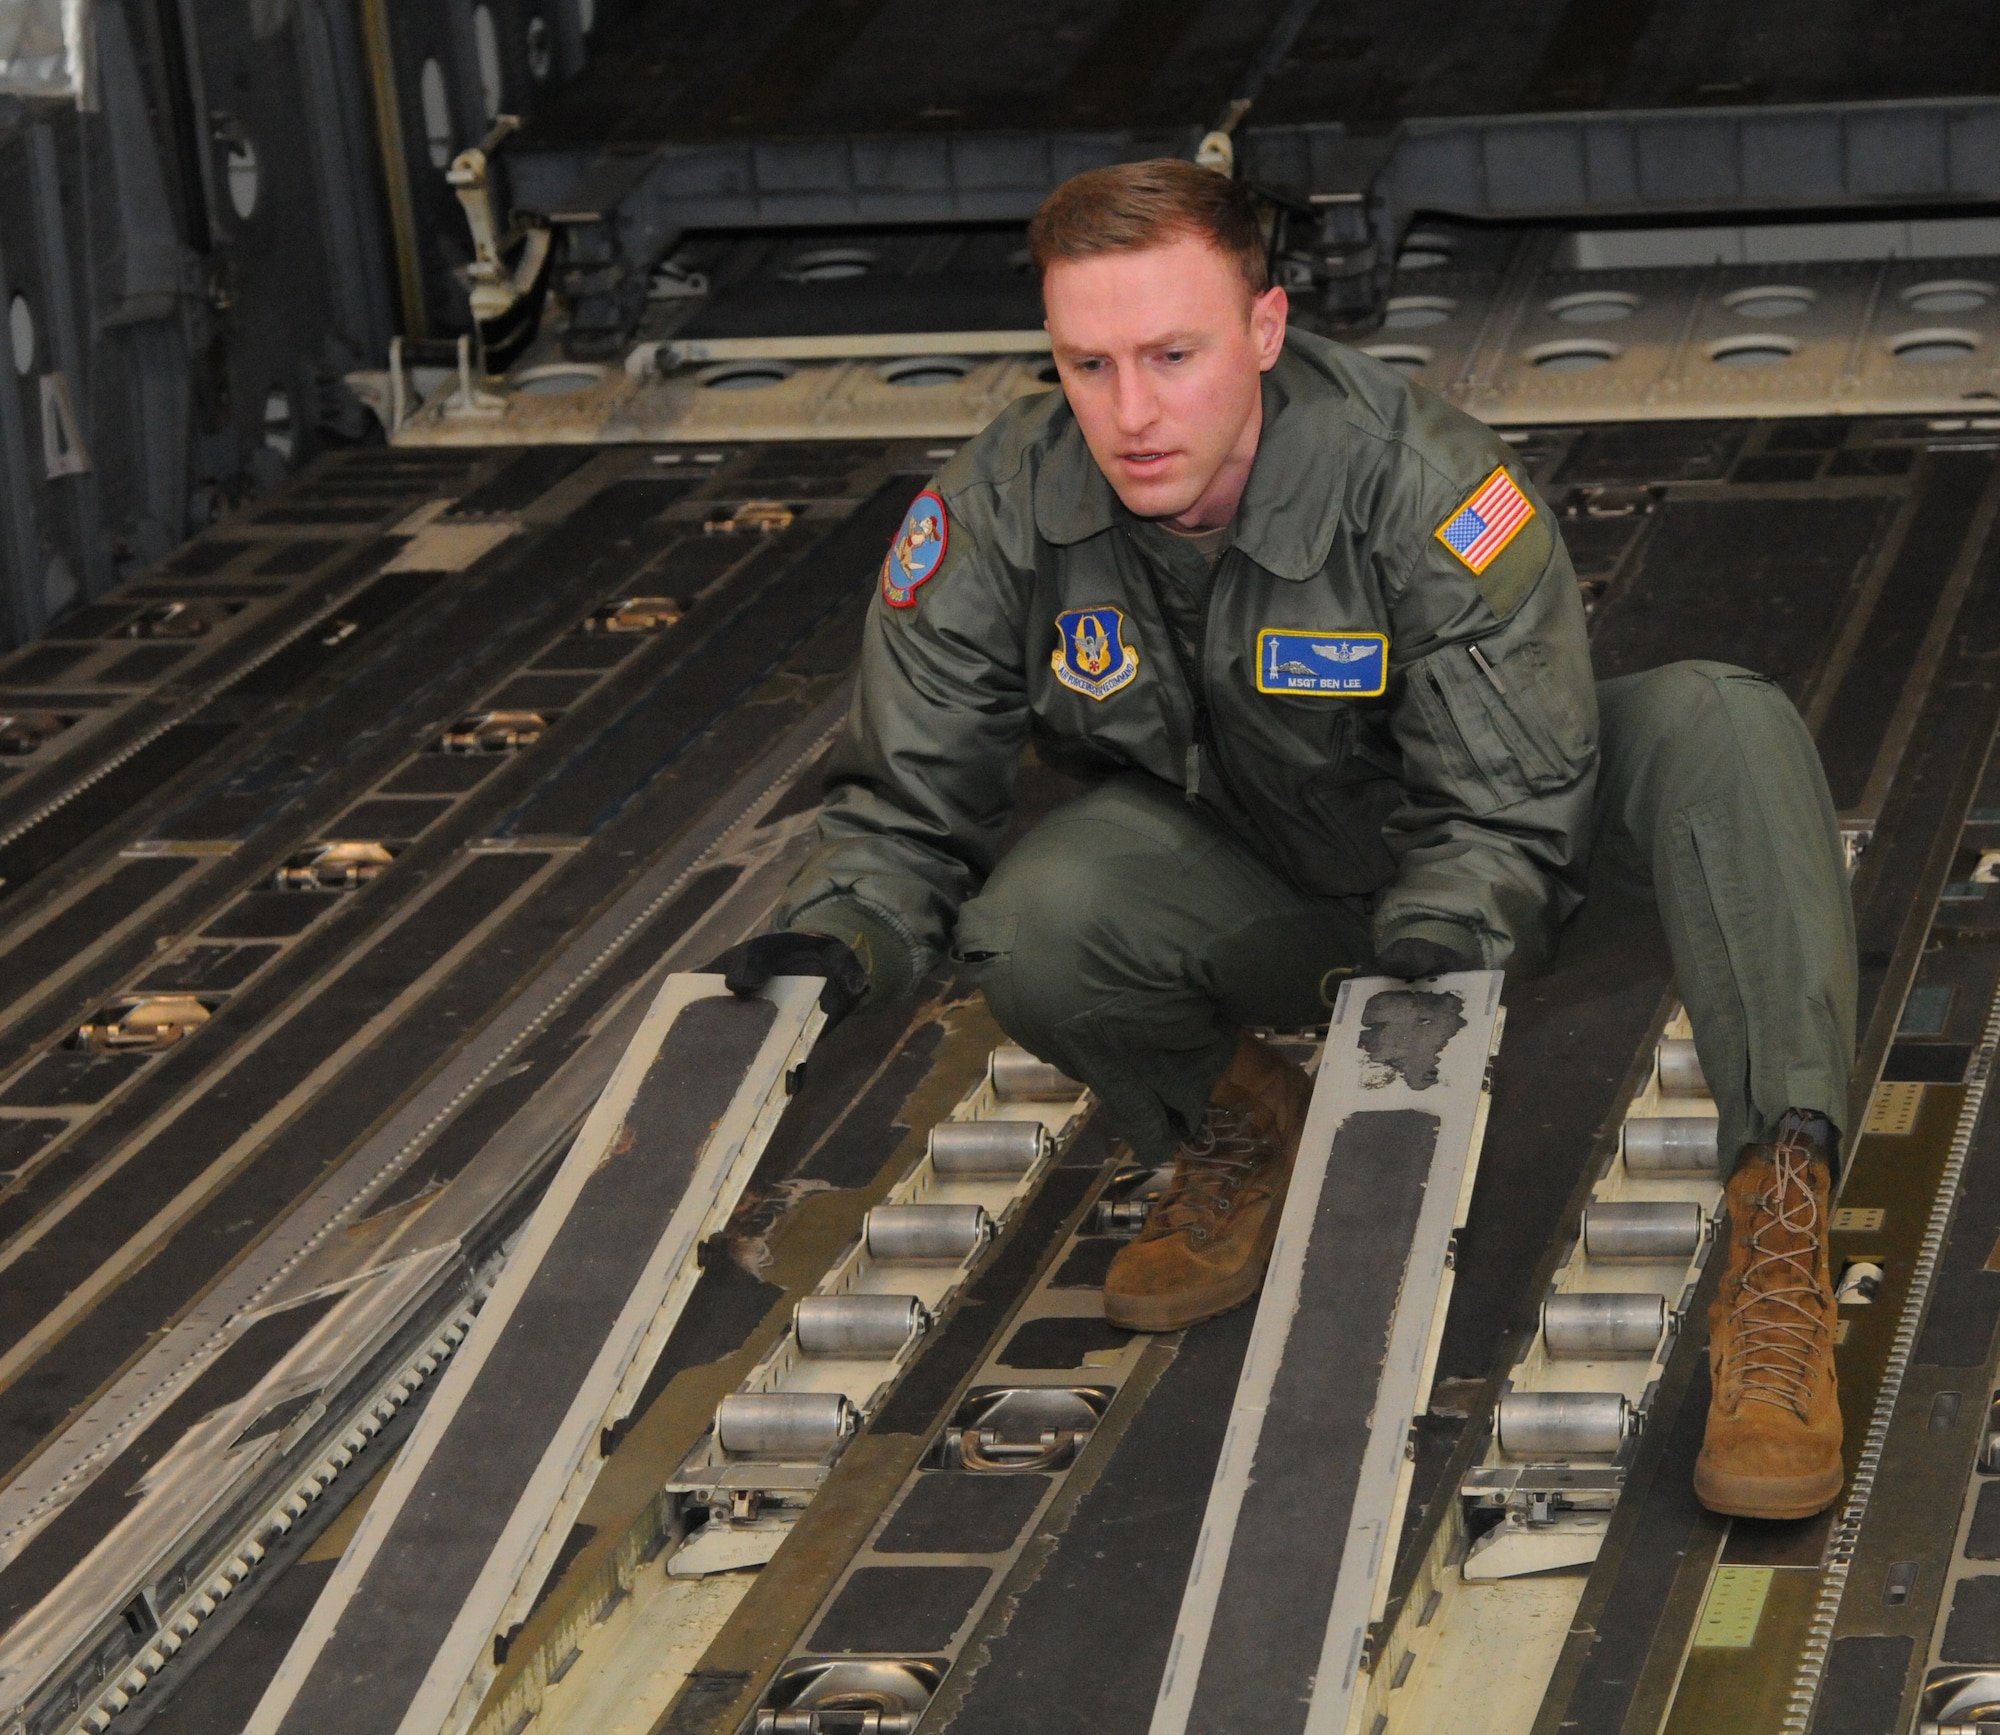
<point x="1204" y="745"/>
<point x="1192" y="672"/>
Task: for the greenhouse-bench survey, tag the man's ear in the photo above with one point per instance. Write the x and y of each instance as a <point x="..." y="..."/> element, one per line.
<point x="1268" y="313"/>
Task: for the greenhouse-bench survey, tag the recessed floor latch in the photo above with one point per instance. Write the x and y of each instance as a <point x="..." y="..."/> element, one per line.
<point x="1021" y="1428"/>
<point x="636" y="614"/>
<point x="145" y="1026"/>
<point x="338" y="865"/>
<point x="170" y="620"/>
<point x="21" y="732"/>
<point x="867" y="1696"/>
<point x="494" y="732"/>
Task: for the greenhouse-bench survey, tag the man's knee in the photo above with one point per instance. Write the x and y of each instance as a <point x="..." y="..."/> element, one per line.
<point x="1699" y="724"/>
<point x="1114" y="864"/>
<point x="1048" y="888"/>
<point x="1059" y="929"/>
<point x="1668" y="703"/>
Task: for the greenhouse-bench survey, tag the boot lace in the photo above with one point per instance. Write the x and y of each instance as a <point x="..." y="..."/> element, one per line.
<point x="1780" y="1312"/>
<point x="1210" y="1168"/>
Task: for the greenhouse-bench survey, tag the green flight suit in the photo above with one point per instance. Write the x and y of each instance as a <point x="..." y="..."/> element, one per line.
<point x="1255" y="828"/>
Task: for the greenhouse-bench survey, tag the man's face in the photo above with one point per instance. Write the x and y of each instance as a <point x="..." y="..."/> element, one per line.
<point x="1160" y="354"/>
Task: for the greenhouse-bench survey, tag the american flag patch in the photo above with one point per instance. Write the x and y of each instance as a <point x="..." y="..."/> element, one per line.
<point x="1487" y="522"/>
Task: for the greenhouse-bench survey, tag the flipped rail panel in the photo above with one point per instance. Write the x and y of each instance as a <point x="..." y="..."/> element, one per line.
<point x="468" y="1522"/>
<point x="1307" y="1501"/>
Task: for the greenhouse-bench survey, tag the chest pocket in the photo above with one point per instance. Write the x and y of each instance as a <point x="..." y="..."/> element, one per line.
<point x="1500" y="737"/>
<point x="1328" y="813"/>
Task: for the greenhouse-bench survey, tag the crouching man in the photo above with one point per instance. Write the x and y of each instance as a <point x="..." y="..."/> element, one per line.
<point x="1316" y="639"/>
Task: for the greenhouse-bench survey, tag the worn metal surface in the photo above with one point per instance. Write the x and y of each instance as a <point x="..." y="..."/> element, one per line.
<point x="1339" y="1365"/>
<point x="466" y="1528"/>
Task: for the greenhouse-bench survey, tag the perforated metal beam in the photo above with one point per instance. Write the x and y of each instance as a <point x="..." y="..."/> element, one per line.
<point x="470" y="1521"/>
<point x="1298" y="1538"/>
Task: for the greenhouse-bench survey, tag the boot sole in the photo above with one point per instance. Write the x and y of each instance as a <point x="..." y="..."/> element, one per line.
<point x="1767" y="1496"/>
<point x="1184" y="1307"/>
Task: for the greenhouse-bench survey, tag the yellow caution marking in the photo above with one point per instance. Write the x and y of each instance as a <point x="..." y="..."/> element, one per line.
<point x="1859" y="1217"/>
<point x="1735" y="1605"/>
<point x="1893" y="1113"/>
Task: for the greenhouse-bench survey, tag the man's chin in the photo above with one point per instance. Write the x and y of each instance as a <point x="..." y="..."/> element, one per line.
<point x="1156" y="497"/>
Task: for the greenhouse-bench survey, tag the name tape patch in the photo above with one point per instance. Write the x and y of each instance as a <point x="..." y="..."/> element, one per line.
<point x="1486" y="523"/>
<point x="1339" y="665"/>
<point x="1093" y="658"/>
<point x="917" y="552"/>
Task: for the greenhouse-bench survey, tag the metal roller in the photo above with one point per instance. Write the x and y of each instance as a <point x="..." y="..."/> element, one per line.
<point x="1018" y="1076"/>
<point x="1671" y="1145"/>
<point x="790" y="1426"/>
<point x="1859" y="1283"/>
<point x="987" y="1147"/>
<point x="1680" y="1069"/>
<point x="1603" y="1325"/>
<point x="858" y="1325"/>
<point x="926" y="1231"/>
<point x="1563" y="1424"/>
<point x="1639" y="1229"/>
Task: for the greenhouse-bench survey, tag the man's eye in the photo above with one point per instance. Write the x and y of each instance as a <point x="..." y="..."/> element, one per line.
<point x="1175" y="355"/>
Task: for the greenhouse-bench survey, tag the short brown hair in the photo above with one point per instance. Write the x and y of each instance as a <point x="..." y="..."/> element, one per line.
<point x="1131" y="207"/>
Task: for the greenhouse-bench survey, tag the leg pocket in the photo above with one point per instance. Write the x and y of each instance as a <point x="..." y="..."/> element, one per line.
<point x="982" y="951"/>
<point x="983" y="936"/>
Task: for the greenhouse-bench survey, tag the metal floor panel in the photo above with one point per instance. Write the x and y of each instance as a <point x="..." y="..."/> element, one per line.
<point x="1864" y="586"/>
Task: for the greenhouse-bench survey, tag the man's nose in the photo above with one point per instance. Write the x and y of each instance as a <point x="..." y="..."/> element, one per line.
<point x="1134" y="402"/>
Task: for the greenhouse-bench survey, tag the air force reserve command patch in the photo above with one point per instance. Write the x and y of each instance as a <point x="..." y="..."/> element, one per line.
<point x="1338" y="665"/>
<point x="917" y="552"/>
<point x="1487" y="522"/>
<point x="1094" y="658"/>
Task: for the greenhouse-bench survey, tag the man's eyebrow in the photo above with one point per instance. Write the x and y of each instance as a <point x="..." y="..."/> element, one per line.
<point x="1170" y="340"/>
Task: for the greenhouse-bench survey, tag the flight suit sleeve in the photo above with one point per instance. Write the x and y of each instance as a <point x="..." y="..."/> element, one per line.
<point x="1495" y="711"/>
<point x="920" y="786"/>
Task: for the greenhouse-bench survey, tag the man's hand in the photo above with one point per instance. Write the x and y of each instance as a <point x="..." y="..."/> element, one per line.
<point x="1411" y="959"/>
<point x="750" y="966"/>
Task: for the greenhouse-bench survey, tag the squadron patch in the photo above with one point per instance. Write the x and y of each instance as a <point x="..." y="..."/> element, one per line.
<point x="1487" y="522"/>
<point x="917" y="552"/>
<point x="1337" y="665"/>
<point x="1094" y="658"/>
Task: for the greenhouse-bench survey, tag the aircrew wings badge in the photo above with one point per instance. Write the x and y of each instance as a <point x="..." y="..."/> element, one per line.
<point x="1093" y="658"/>
<point x="917" y="552"/>
<point x="1486" y="523"/>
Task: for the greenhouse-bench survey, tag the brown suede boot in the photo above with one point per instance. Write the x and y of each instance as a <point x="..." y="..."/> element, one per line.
<point x="1772" y="1449"/>
<point x="1206" y="1243"/>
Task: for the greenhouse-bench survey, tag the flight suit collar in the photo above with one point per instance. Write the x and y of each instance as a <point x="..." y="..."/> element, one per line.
<point x="1290" y="509"/>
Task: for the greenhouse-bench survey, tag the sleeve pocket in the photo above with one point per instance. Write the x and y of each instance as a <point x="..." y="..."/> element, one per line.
<point x="1507" y="735"/>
